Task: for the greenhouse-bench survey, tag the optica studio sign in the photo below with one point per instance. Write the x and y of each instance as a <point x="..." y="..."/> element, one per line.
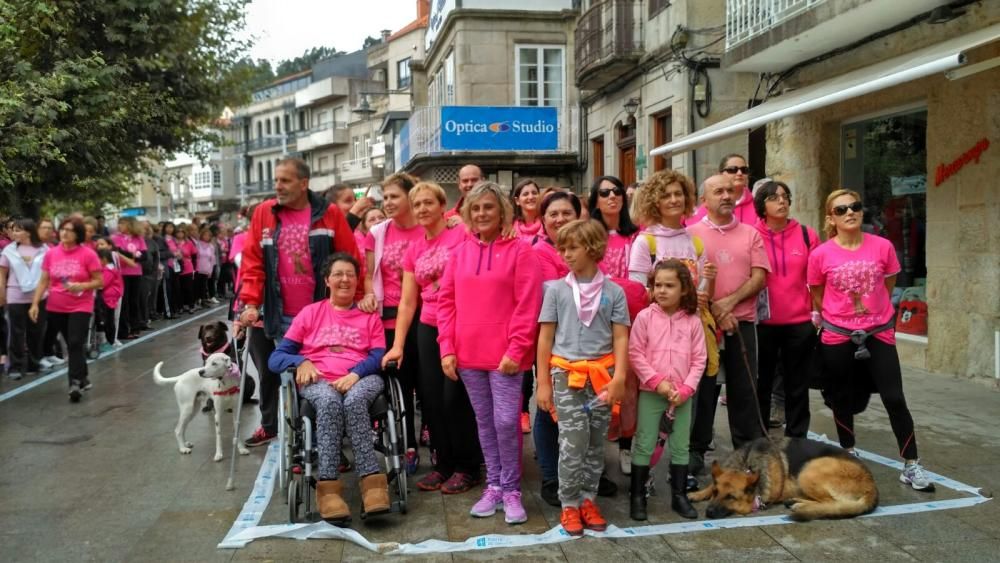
<point x="482" y="128"/>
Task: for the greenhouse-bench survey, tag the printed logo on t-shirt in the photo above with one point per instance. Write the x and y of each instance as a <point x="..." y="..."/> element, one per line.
<point x="337" y="338"/>
<point x="857" y="278"/>
<point x="430" y="266"/>
<point x="392" y="256"/>
<point x="616" y="261"/>
<point x="724" y="257"/>
<point x="293" y="247"/>
<point x="64" y="269"/>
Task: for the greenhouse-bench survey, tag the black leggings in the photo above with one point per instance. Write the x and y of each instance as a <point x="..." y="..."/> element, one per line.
<point x="446" y="410"/>
<point x="201" y="282"/>
<point x="26" y="337"/>
<point x="407" y="376"/>
<point x="527" y="385"/>
<point x="850" y="376"/>
<point x="131" y="306"/>
<point x="792" y="346"/>
<point x="260" y="350"/>
<point x="186" y="287"/>
<point x="74" y="328"/>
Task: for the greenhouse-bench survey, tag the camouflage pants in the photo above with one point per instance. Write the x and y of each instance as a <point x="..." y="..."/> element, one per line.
<point x="581" y="440"/>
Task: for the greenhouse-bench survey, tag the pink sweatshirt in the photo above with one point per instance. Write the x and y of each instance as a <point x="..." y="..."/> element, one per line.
<point x="488" y="304"/>
<point x="667" y="347"/>
<point x="744" y="210"/>
<point x="551" y="263"/>
<point x="787" y="290"/>
<point x="114" y="286"/>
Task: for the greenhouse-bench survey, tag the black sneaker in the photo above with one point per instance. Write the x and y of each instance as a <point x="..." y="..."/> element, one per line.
<point x="550" y="493"/>
<point x="259" y="438"/>
<point x="606" y="487"/>
<point x="74" y="392"/>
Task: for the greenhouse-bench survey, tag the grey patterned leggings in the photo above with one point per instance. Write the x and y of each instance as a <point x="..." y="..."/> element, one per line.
<point x="334" y="414"/>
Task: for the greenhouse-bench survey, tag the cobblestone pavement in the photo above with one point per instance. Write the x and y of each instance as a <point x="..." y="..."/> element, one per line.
<point x="102" y="481"/>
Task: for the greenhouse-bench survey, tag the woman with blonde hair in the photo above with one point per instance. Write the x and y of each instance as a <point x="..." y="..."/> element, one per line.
<point x="851" y="277"/>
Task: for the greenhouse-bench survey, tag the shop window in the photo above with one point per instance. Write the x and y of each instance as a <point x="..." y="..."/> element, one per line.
<point x="885" y="160"/>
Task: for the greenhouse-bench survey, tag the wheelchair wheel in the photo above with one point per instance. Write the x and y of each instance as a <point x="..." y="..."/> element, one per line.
<point x="394" y="441"/>
<point x="293" y="502"/>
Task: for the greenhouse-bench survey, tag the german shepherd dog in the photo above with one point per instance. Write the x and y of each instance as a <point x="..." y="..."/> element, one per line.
<point x="813" y="479"/>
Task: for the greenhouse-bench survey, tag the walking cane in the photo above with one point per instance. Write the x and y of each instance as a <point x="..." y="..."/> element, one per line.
<point x="243" y="359"/>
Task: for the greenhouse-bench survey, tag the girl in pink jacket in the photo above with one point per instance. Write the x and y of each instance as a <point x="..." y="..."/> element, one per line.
<point x="667" y="353"/>
<point x="488" y="306"/>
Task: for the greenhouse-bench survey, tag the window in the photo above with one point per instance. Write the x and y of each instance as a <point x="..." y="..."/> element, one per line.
<point x="270" y="176"/>
<point x="338" y="115"/>
<point x="288" y="126"/>
<point x="260" y="130"/>
<point x="662" y="134"/>
<point x="267" y="126"/>
<point x="321" y="118"/>
<point x="403" y="74"/>
<point x="302" y="121"/>
<point x="324" y="164"/>
<point x="657" y="6"/>
<point x="356" y="143"/>
<point x="540" y="75"/>
<point x="260" y="171"/>
<point x="277" y="125"/>
<point x="216" y="179"/>
<point x="885" y="159"/>
<point x="449" y="79"/>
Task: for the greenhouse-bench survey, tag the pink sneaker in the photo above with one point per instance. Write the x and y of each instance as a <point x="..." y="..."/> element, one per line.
<point x="512" y="507"/>
<point x="488" y="504"/>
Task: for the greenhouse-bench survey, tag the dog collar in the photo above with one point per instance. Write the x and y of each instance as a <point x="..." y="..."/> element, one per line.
<point x="227" y="392"/>
<point x="222" y="350"/>
<point x="758" y="504"/>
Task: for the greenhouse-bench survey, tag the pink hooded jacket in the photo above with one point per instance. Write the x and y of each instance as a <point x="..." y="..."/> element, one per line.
<point x="488" y="304"/>
<point x="790" y="301"/>
<point x="667" y="347"/>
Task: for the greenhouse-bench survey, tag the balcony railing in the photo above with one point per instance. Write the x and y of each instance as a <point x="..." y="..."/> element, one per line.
<point x="255" y="187"/>
<point x="609" y="33"/>
<point x="746" y="19"/>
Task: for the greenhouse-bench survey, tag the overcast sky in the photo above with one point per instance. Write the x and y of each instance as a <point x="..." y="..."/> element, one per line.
<point x="284" y="29"/>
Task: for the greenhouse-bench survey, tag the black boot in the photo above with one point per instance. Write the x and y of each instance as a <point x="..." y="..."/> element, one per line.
<point x="637" y="492"/>
<point x="678" y="495"/>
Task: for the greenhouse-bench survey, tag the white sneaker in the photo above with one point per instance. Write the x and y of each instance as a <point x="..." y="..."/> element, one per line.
<point x="914" y="476"/>
<point x="213" y="301"/>
<point x="118" y="344"/>
<point x="45" y="364"/>
<point x="625" y="461"/>
<point x="55" y="360"/>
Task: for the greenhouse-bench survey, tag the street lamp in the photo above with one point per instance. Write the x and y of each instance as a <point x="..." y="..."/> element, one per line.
<point x="631" y="106"/>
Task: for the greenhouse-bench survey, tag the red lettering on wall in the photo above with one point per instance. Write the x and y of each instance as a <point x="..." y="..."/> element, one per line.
<point x="945" y="171"/>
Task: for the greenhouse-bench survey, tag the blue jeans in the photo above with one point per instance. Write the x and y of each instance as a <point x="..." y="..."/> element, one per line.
<point x="546" y="435"/>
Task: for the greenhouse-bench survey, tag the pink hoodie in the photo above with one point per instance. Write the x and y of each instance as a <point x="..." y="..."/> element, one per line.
<point x="744" y="211"/>
<point x="667" y="347"/>
<point x="488" y="304"/>
<point x="786" y="282"/>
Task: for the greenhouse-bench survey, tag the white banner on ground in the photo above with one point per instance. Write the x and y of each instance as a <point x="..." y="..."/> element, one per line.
<point x="260" y="497"/>
<point x="240" y="535"/>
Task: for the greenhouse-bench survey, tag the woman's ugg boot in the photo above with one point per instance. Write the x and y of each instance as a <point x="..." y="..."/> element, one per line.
<point x="375" y="493"/>
<point x="332" y="507"/>
<point x="637" y="492"/>
<point x="678" y="494"/>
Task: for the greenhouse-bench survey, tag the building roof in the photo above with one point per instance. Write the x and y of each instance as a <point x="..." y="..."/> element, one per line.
<point x="412" y="26"/>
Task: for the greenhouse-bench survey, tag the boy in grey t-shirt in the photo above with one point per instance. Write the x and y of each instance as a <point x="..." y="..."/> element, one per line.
<point x="582" y="354"/>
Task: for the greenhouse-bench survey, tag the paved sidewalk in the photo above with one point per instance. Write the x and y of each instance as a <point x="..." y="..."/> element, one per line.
<point x="103" y="481"/>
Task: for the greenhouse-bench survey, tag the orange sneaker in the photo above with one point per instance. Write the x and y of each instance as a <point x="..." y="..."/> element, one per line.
<point x="570" y="520"/>
<point x="591" y="516"/>
<point x="525" y="423"/>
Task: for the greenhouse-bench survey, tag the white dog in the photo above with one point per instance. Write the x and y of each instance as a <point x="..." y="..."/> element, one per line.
<point x="215" y="380"/>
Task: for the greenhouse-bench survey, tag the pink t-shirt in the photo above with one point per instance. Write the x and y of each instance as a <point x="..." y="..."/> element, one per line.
<point x="295" y="270"/>
<point x="335" y="340"/>
<point x="189" y="251"/>
<point x="70" y="266"/>
<point x="615" y="262"/>
<point x="359" y="239"/>
<point x="14" y="293"/>
<point x="206" y="257"/>
<point x="425" y="259"/>
<point x="550" y="262"/>
<point x="735" y="250"/>
<point x="114" y="287"/>
<point x="854" y="295"/>
<point x="135" y="245"/>
<point x="397" y="241"/>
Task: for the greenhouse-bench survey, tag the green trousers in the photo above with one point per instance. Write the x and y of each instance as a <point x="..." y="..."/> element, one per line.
<point x="651" y="408"/>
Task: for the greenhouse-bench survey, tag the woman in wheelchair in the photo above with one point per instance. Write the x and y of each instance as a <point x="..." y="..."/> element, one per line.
<point x="336" y="350"/>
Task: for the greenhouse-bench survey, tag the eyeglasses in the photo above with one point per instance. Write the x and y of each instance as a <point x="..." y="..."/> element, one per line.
<point x="606" y="192"/>
<point x="856" y="207"/>
<point x="775" y="197"/>
<point x="346" y="275"/>
<point x="735" y="169"/>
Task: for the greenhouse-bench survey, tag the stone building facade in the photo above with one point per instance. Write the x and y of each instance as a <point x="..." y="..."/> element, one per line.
<point x="923" y="150"/>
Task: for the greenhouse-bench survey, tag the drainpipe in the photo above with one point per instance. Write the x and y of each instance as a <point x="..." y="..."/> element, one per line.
<point x="996" y="354"/>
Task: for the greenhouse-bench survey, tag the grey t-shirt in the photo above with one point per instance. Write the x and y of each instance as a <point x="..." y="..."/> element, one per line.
<point x="573" y="340"/>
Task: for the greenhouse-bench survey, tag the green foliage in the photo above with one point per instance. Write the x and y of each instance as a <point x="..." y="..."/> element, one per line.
<point x="306" y="61"/>
<point x="91" y="92"/>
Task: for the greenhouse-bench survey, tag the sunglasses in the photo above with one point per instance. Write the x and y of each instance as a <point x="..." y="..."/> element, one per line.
<point x="735" y="169"/>
<point x="606" y="192"/>
<point x="856" y="207"/>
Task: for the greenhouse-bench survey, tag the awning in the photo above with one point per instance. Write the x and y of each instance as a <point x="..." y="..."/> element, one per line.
<point x="924" y="62"/>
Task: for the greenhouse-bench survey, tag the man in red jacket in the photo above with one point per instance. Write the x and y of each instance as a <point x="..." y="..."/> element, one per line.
<point x="289" y="239"/>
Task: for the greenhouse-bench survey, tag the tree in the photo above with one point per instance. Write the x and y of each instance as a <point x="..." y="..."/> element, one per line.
<point x="371" y="42"/>
<point x="90" y="92"/>
<point x="306" y="61"/>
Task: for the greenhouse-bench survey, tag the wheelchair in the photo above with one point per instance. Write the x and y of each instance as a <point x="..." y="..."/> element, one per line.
<point x="298" y="459"/>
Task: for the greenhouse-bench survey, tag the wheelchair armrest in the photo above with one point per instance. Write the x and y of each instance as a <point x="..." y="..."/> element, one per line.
<point x="288" y="377"/>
